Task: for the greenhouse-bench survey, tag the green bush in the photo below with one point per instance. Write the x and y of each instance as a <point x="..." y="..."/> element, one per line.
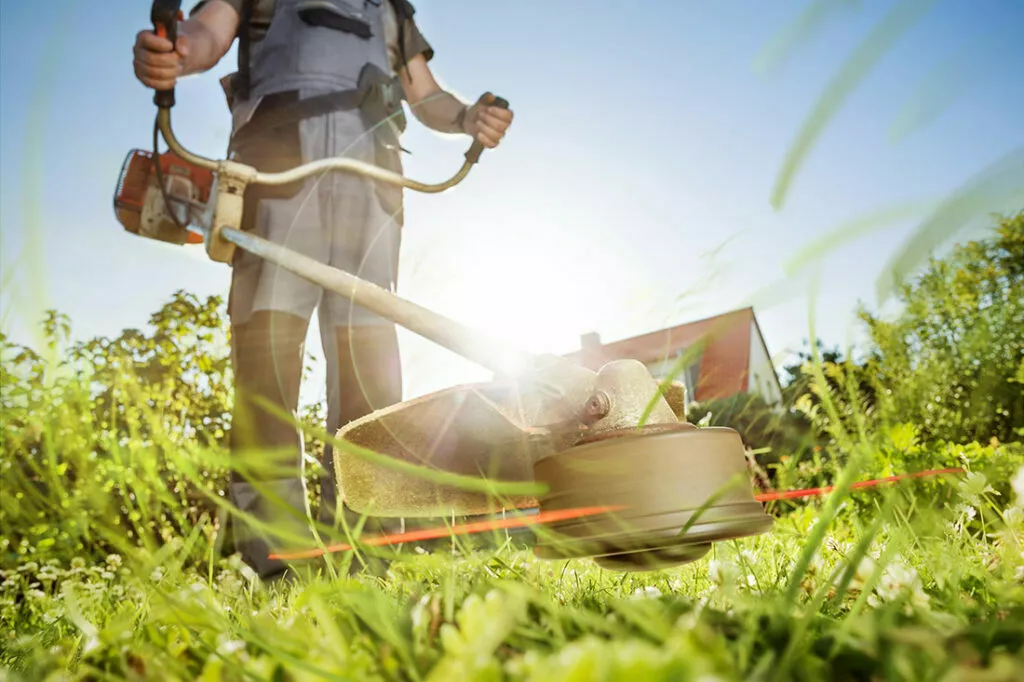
<point x="952" y="362"/>
<point x="115" y="444"/>
<point x="946" y="372"/>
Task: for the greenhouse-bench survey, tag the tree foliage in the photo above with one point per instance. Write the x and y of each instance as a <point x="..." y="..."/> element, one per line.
<point x="952" y="362"/>
<point x="946" y="372"/>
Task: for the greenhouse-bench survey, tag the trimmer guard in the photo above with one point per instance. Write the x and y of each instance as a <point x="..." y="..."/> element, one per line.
<point x="479" y="430"/>
<point x="483" y="430"/>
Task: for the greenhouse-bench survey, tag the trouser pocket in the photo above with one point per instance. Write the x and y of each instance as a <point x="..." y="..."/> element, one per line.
<point x="268" y="151"/>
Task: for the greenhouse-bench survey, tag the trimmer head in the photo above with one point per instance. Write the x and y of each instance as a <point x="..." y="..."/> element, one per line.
<point x="676" y="490"/>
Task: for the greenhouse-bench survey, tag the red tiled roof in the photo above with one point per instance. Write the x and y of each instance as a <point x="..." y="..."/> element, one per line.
<point x="724" y="361"/>
<point x="664" y="343"/>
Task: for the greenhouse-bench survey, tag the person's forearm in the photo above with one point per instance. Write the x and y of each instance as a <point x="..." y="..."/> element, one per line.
<point x="204" y="49"/>
<point x="440" y="111"/>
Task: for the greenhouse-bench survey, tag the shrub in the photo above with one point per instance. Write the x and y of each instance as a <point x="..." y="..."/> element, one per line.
<point x="114" y="444"/>
<point x="952" y="362"/>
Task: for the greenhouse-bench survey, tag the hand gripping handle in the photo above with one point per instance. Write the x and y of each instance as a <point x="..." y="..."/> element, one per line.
<point x="474" y="152"/>
<point x="165" y="15"/>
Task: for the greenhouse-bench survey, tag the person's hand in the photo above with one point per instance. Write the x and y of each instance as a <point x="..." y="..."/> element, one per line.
<point x="485" y="123"/>
<point x="158" y="63"/>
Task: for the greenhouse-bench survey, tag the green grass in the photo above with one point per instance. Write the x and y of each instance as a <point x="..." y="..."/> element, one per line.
<point x="897" y="589"/>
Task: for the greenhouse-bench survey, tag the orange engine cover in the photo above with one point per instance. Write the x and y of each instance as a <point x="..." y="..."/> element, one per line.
<point x="139" y="203"/>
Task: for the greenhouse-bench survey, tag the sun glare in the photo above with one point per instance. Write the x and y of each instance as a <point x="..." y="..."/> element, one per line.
<point x="535" y="289"/>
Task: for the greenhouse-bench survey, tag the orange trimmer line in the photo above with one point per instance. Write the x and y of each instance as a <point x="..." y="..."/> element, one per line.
<point x="564" y="514"/>
<point x="808" y="492"/>
<point x="459" y="529"/>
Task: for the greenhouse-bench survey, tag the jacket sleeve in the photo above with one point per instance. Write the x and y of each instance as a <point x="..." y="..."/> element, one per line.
<point x="412" y="41"/>
<point x="415" y="43"/>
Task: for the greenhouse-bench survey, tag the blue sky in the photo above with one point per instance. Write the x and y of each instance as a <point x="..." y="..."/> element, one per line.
<point x="633" y="191"/>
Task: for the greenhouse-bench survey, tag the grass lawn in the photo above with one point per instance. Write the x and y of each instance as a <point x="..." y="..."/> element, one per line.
<point x="892" y="588"/>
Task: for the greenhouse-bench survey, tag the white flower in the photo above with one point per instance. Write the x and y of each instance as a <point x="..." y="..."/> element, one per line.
<point x="894" y="578"/>
<point x="91" y="643"/>
<point x="721" y="572"/>
<point x="226" y="647"/>
<point x="1014" y="517"/>
<point x="649" y="591"/>
<point x="865" y="569"/>
<point x="1017" y="483"/>
<point x="898" y="579"/>
<point x="965" y="514"/>
<point x="419" y="612"/>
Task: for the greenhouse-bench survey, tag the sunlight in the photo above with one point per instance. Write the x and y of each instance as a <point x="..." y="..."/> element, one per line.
<point x="535" y="287"/>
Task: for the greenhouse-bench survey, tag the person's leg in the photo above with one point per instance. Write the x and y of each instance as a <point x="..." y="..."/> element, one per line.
<point x="364" y="374"/>
<point x="270" y="309"/>
<point x="363" y="365"/>
<point x="266" y="449"/>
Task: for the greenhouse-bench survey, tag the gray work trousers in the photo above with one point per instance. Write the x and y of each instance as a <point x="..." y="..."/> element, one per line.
<point x="339" y="219"/>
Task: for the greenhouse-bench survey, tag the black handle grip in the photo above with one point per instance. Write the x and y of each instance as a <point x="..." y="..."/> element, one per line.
<point x="474" y="152"/>
<point x="164" y="15"/>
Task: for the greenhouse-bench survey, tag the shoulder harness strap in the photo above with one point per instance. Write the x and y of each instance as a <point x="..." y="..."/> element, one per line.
<point x="404" y="12"/>
<point x="244" y="38"/>
<point x="375" y="94"/>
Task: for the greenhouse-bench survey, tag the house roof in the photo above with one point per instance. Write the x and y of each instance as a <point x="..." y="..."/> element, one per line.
<point x="661" y="344"/>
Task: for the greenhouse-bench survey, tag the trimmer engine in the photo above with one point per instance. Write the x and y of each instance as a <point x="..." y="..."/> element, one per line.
<point x="158" y="197"/>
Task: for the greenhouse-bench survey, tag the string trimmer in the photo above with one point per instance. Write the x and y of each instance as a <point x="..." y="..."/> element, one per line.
<point x="656" y="489"/>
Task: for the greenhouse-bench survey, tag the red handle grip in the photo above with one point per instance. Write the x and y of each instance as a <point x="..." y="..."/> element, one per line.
<point x="165" y="15"/>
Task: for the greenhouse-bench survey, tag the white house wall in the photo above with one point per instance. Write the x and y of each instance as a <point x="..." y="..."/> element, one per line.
<point x="763" y="379"/>
<point x="659" y="370"/>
